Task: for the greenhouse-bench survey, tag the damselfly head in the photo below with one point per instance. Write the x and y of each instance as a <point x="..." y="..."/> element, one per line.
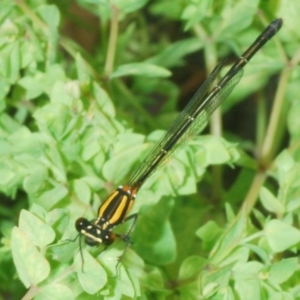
<point x="93" y="233"/>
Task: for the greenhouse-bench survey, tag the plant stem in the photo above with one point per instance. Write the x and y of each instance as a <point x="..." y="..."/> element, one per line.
<point x="114" y="25"/>
<point x="34" y="290"/>
<point x="35" y="19"/>
<point x="252" y="194"/>
<point x="268" y="149"/>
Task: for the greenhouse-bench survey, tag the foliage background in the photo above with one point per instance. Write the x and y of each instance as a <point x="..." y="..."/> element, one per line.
<point x="85" y="86"/>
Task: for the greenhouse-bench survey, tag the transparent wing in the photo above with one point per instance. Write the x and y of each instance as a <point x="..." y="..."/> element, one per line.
<point x="189" y="123"/>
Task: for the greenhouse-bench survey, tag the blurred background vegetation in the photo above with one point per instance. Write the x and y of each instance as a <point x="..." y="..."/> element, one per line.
<point x="86" y="88"/>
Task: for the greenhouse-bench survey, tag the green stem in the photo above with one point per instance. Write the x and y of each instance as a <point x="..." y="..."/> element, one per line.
<point x="110" y="57"/>
<point x="261" y="124"/>
<point x="268" y="150"/>
<point x="33" y="291"/>
<point x="252" y="194"/>
<point x="269" y="146"/>
<point x="28" y="12"/>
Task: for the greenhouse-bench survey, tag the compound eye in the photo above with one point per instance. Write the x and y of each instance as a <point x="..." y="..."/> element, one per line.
<point x="109" y="238"/>
<point x="81" y="223"/>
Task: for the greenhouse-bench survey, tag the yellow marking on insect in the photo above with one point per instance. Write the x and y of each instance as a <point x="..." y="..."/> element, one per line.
<point x="91" y="236"/>
<point x="122" y="206"/>
<point x="130" y="205"/>
<point x="106" y="203"/>
<point x="105" y="225"/>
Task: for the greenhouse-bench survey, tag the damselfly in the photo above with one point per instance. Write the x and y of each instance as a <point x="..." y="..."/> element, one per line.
<point x="114" y="210"/>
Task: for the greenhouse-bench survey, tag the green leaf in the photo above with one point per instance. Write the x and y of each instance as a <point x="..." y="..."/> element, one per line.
<point x="60" y="141"/>
<point x="280" y="235"/>
<point x="190" y="291"/>
<point x="55" y="291"/>
<point x="31" y="266"/>
<point x="173" y="55"/>
<point x="208" y="231"/>
<point x="210" y="289"/>
<point x="58" y="218"/>
<point x="4" y="88"/>
<point x="248" y="289"/>
<point x="94" y="181"/>
<point x="50" y="15"/>
<point x="90" y="144"/>
<point x="41" y="82"/>
<point x="8" y="28"/>
<point x="216" y="152"/>
<point x="81" y="67"/>
<point x="52" y="196"/>
<point x="10" y="63"/>
<point x="6" y="173"/>
<point x="247" y="270"/>
<point x="284" y="161"/>
<point x="293" y="204"/>
<point x="240" y="256"/>
<point x="283" y="270"/>
<point x="11" y="125"/>
<point x="216" y="277"/>
<point x="56" y="119"/>
<point x="125" y="286"/>
<point x="260" y="252"/>
<point x="230" y="214"/>
<point x="127" y="149"/>
<point x="37" y="231"/>
<point x="129" y="6"/>
<point x="53" y="160"/>
<point x="140" y="69"/>
<point x="239" y="16"/>
<point x="229" y="240"/>
<point x="94" y="277"/>
<point x="103" y="100"/>
<point x="82" y="191"/>
<point x="293" y="121"/>
<point x="173" y="12"/>
<point x="153" y="236"/>
<point x="98" y="2"/>
<point x="35" y="180"/>
<point x="191" y="266"/>
<point x="14" y="63"/>
<point x="270" y="202"/>
<point x="195" y="12"/>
